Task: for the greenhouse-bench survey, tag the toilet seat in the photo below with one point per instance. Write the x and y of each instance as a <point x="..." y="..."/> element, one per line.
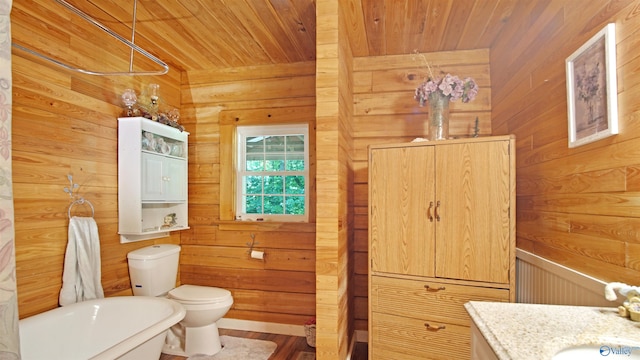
<point x="194" y="294"/>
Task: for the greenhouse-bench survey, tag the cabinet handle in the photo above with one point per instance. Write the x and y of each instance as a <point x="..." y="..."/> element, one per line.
<point x="429" y="216"/>
<point x="166" y="178"/>
<point x="436" y="210"/>
<point x="434" y="328"/>
<point x="429" y="288"/>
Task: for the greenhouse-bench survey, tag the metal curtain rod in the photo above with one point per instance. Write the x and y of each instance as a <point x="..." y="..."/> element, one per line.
<point x="130" y="44"/>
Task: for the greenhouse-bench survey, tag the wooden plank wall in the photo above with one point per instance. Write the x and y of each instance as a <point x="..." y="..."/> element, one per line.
<point x="345" y="189"/>
<point x="281" y="288"/>
<point x="575" y="206"/>
<point x="65" y="123"/>
<point x="334" y="238"/>
<point x="578" y="207"/>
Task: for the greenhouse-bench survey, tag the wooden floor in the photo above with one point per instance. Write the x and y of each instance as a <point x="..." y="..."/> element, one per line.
<point x="288" y="346"/>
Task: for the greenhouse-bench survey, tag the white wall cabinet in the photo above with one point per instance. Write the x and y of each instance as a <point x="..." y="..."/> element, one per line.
<point x="152" y="179"/>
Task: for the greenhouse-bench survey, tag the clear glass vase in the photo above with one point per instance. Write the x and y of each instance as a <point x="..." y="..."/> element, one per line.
<point x="438" y="116"/>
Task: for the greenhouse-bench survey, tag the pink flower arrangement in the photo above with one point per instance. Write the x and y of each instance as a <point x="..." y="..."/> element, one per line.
<point x="311" y="321"/>
<point x="450" y="86"/>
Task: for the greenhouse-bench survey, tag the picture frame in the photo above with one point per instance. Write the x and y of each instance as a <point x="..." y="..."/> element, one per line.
<point x="592" y="93"/>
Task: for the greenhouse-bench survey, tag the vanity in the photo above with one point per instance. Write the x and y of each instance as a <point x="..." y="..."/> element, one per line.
<point x="534" y="331"/>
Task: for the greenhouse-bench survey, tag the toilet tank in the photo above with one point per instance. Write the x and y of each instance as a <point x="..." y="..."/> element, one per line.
<point x="153" y="270"/>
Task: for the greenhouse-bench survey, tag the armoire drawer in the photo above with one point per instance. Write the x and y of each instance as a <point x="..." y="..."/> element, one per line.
<point x="437" y="300"/>
<point x="401" y="338"/>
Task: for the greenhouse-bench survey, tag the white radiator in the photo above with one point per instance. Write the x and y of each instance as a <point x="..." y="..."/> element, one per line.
<point x="540" y="281"/>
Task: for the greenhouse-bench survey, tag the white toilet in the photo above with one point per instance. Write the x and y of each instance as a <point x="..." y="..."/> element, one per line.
<point x="153" y="271"/>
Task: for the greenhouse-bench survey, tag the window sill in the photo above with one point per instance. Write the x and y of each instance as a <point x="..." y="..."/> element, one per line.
<point x="266" y="225"/>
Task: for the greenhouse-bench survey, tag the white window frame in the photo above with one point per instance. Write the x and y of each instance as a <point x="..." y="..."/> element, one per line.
<point x="244" y="132"/>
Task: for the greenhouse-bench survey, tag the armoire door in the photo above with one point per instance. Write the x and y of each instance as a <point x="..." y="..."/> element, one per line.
<point x="473" y="190"/>
<point x="402" y="219"/>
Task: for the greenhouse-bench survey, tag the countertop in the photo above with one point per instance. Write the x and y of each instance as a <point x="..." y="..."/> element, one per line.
<point x="530" y="331"/>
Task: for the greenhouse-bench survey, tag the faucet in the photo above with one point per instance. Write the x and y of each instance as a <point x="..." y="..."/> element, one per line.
<point x="611" y="288"/>
<point x="632" y="293"/>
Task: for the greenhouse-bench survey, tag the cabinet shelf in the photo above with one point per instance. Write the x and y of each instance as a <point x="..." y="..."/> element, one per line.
<point x="152" y="179"/>
<point x="151" y="234"/>
<point x="165" y="155"/>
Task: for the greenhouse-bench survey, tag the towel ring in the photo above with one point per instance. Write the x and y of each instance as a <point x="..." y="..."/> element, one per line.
<point x="81" y="201"/>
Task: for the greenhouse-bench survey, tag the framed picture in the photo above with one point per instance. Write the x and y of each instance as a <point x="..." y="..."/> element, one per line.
<point x="592" y="94"/>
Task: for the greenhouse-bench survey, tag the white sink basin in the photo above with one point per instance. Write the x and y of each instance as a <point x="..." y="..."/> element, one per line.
<point x="618" y="349"/>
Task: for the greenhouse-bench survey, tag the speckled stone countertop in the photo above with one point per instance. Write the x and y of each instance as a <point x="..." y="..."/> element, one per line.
<point x="530" y="331"/>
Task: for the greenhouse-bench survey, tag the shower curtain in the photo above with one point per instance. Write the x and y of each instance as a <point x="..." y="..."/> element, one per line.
<point x="9" y="338"/>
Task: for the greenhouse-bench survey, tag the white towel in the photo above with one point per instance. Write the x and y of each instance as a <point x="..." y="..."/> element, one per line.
<point x="81" y="278"/>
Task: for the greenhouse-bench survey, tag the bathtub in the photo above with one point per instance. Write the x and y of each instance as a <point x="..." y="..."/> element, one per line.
<point x="124" y="327"/>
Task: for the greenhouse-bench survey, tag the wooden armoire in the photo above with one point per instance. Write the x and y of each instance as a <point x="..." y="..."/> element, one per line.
<point x="441" y="233"/>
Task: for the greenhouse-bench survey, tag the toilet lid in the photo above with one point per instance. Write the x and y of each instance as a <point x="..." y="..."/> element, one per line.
<point x="195" y="293"/>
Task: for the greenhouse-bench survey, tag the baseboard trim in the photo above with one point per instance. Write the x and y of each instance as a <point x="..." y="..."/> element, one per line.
<point x="261" y="326"/>
<point x="352" y="347"/>
<point x="362" y="336"/>
<point x="359" y="336"/>
<point x="285" y="329"/>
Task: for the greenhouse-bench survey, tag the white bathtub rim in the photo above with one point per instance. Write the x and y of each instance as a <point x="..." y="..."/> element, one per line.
<point x="134" y="339"/>
<point x="137" y="339"/>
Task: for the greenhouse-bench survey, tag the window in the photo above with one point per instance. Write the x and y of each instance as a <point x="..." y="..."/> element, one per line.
<point x="272" y="177"/>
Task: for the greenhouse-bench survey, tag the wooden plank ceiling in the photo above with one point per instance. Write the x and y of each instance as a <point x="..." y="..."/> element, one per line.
<point x="208" y="34"/>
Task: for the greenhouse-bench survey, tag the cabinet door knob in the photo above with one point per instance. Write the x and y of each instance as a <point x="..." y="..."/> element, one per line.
<point x="429" y="216"/>
<point x="429" y="288"/>
<point x="434" y="328"/>
<point x="436" y="210"/>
